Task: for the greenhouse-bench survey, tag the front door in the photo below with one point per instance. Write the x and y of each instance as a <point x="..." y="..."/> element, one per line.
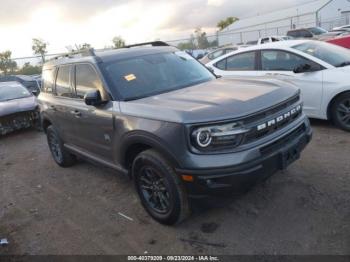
<point x="93" y="125"/>
<point x="280" y="64"/>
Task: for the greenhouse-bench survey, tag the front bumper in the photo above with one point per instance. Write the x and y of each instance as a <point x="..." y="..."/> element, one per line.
<point x="237" y="178"/>
<point x="17" y="121"/>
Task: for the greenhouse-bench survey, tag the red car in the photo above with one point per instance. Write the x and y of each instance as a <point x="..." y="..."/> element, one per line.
<point x="343" y="41"/>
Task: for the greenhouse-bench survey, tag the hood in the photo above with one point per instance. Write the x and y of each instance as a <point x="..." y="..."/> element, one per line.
<point x="17" y="105"/>
<point x="215" y="100"/>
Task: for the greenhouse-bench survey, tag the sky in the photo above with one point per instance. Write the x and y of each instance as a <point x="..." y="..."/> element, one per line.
<point x="64" y="23"/>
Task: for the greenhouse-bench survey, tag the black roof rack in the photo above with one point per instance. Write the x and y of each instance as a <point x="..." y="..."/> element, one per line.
<point x="154" y="43"/>
<point x="84" y="52"/>
<point x="91" y="51"/>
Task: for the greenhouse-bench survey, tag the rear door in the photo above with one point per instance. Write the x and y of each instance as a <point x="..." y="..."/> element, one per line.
<point x="93" y="125"/>
<point x="280" y="64"/>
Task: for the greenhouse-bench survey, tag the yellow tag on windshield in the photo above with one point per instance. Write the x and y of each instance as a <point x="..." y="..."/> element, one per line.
<point x="130" y="77"/>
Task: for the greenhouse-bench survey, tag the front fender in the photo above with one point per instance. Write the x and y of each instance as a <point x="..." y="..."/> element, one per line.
<point x="147" y="139"/>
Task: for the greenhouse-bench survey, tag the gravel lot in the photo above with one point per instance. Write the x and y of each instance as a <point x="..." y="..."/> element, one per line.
<point x="45" y="209"/>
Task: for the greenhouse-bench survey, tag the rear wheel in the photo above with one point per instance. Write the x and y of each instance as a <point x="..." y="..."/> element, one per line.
<point x="160" y="189"/>
<point x="61" y="156"/>
<point x="341" y="111"/>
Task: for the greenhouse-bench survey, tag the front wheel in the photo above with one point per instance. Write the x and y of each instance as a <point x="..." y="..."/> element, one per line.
<point x="341" y="112"/>
<point x="160" y="189"/>
<point x="61" y="156"/>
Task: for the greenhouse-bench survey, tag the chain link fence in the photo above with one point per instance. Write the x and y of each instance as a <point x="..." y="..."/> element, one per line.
<point x="200" y="43"/>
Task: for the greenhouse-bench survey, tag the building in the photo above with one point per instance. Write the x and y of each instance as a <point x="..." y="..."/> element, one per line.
<point x="323" y="13"/>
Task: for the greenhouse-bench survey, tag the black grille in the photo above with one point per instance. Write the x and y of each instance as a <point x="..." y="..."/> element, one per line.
<point x="272" y="111"/>
<point x="255" y="134"/>
<point x="282" y="141"/>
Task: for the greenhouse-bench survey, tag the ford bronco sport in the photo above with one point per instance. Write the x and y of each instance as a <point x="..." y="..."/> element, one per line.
<point x="154" y="113"/>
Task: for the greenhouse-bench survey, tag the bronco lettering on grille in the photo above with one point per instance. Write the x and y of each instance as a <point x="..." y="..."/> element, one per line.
<point x="280" y="118"/>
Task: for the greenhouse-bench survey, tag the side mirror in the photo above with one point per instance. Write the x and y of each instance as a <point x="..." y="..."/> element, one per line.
<point x="35" y="92"/>
<point x="93" y="98"/>
<point x="200" y="56"/>
<point x="302" y="69"/>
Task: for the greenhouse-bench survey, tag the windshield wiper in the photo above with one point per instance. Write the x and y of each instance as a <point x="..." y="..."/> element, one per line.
<point x="343" y="64"/>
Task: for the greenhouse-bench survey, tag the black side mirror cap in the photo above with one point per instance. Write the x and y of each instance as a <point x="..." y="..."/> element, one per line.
<point x="93" y="98"/>
<point x="303" y="69"/>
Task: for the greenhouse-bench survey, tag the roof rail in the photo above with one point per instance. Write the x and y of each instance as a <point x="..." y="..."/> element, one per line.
<point x="153" y="43"/>
<point x="83" y="52"/>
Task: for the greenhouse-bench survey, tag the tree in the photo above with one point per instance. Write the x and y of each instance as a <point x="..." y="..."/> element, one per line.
<point x="118" y="42"/>
<point x="39" y="48"/>
<point x="29" y="69"/>
<point x="201" y="37"/>
<point x="6" y="63"/>
<point x="226" y="22"/>
<point x="189" y="45"/>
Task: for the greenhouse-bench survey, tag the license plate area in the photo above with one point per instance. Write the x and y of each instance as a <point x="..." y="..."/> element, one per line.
<point x="290" y="154"/>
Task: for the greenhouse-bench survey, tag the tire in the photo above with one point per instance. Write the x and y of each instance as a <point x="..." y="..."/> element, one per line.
<point x="61" y="156"/>
<point x="340" y="111"/>
<point x="153" y="175"/>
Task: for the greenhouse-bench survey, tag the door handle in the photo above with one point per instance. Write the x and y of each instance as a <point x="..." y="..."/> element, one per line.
<point x="76" y="113"/>
<point x="52" y="108"/>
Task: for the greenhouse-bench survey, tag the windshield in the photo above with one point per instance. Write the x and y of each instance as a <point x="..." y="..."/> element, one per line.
<point x="154" y="74"/>
<point x="317" y="30"/>
<point x="332" y="54"/>
<point x="12" y="91"/>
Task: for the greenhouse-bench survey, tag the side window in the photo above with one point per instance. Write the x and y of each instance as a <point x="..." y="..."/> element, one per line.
<point x="293" y="34"/>
<point x="86" y="79"/>
<point x="265" y="40"/>
<point x="63" y="82"/>
<point x="221" y="64"/>
<point x="48" y="80"/>
<point x="282" y="61"/>
<point x="305" y="33"/>
<point x="241" y="62"/>
<point x="216" y="54"/>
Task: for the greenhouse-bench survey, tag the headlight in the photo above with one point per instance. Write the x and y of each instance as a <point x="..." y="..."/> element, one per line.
<point x="218" y="137"/>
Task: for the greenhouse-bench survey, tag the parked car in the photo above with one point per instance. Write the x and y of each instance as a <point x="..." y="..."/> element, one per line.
<point x="197" y="53"/>
<point x="333" y="34"/>
<point x="18" y="108"/>
<point x="311" y="32"/>
<point x="253" y="42"/>
<point x="31" y="83"/>
<point x="218" y="52"/>
<point x="271" y="39"/>
<point x="320" y="69"/>
<point x="344" y="27"/>
<point x="343" y="41"/>
<point x="158" y="115"/>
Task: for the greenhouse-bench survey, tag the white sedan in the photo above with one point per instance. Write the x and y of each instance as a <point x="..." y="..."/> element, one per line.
<point x="321" y="71"/>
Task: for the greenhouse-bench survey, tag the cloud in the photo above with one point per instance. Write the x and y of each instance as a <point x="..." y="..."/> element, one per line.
<point x="215" y="2"/>
<point x="68" y="22"/>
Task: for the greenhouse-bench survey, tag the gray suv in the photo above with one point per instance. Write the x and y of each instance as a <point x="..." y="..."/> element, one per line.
<point x="154" y="113"/>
